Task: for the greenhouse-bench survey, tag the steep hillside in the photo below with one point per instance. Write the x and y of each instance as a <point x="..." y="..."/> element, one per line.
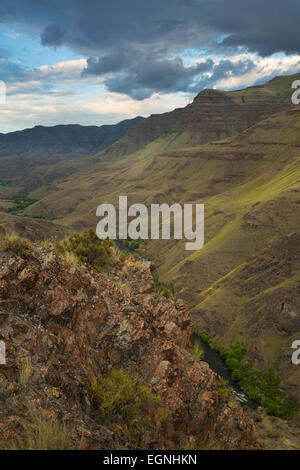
<point x="22" y="152"/>
<point x="242" y="284"/>
<point x="32" y="229"/>
<point x="213" y="115"/>
<point x="42" y="156"/>
<point x="101" y="361"/>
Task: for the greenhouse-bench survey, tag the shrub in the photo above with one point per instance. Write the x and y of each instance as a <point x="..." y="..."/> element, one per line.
<point x="87" y="248"/>
<point x="119" y="395"/>
<point x="163" y="289"/>
<point x="224" y="391"/>
<point x="206" y="339"/>
<point x="197" y="352"/>
<point x="20" y="204"/>
<point x="16" y="245"/>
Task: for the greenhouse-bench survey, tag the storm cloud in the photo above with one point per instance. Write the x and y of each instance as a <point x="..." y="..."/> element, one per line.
<point x="138" y="47"/>
<point x="52" y="36"/>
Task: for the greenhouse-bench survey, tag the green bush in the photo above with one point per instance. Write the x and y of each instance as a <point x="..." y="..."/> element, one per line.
<point x="163" y="289"/>
<point x="118" y="396"/>
<point x="87" y="248"/>
<point x="262" y="386"/>
<point x="20" y="204"/>
<point x="206" y="339"/>
<point x="224" y="391"/>
<point x="16" y="245"/>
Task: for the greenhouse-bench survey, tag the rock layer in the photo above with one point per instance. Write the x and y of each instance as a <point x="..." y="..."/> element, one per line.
<point x="71" y="324"/>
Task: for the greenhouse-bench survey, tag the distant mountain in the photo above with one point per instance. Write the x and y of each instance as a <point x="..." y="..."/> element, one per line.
<point x="48" y="145"/>
<point x="212" y="115"/>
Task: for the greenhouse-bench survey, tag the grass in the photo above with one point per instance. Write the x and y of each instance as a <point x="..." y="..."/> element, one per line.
<point x="40" y="433"/>
<point x="26" y="371"/>
<point x="16" y="245"/>
<point x="197" y="352"/>
<point x="72" y="259"/>
<point x="163" y="289"/>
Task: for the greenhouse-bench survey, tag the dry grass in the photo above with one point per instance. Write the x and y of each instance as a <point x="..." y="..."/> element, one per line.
<point x="72" y="259"/>
<point x="26" y="372"/>
<point x="12" y="243"/>
<point x="40" y="433"/>
<point x="124" y="287"/>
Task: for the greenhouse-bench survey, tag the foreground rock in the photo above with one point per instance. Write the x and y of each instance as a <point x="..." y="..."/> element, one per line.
<point x="63" y="325"/>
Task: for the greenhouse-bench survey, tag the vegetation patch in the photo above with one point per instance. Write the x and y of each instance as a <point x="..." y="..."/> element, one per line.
<point x="40" y="433"/>
<point x="20" y="204"/>
<point x="87" y="249"/>
<point x="261" y="386"/>
<point x="163" y="289"/>
<point x="136" y="245"/>
<point x="5" y="183"/>
<point x="14" y="244"/>
<point x="118" y="396"/>
<point x="197" y="352"/>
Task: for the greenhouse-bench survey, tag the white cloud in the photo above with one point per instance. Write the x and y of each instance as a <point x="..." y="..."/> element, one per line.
<point x="60" y="94"/>
<point x="264" y="68"/>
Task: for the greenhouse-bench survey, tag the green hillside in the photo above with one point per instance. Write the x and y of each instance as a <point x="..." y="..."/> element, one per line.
<point x="239" y="154"/>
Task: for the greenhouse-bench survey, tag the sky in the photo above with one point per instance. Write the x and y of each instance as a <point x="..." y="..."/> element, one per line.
<point x="97" y="62"/>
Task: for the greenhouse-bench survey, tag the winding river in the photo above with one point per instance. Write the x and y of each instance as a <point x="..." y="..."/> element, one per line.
<point x="217" y="364"/>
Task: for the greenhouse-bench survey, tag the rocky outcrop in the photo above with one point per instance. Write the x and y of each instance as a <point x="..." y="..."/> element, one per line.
<point x="71" y="324"/>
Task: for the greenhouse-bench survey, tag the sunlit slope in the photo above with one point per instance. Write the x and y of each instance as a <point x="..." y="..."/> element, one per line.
<point x="38" y="159"/>
<point x="211" y="116"/>
<point x="250" y="186"/>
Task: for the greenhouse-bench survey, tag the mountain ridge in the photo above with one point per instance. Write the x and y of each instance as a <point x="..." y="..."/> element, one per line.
<point x="249" y="183"/>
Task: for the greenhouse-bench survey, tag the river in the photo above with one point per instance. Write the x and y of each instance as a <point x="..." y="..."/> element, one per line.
<point x="217" y="364"/>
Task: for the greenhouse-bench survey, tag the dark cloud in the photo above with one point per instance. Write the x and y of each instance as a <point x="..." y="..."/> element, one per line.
<point x="140" y="73"/>
<point x="144" y="76"/>
<point x="136" y="46"/>
<point x="143" y="79"/>
<point x="266" y="26"/>
<point x="52" y="36"/>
